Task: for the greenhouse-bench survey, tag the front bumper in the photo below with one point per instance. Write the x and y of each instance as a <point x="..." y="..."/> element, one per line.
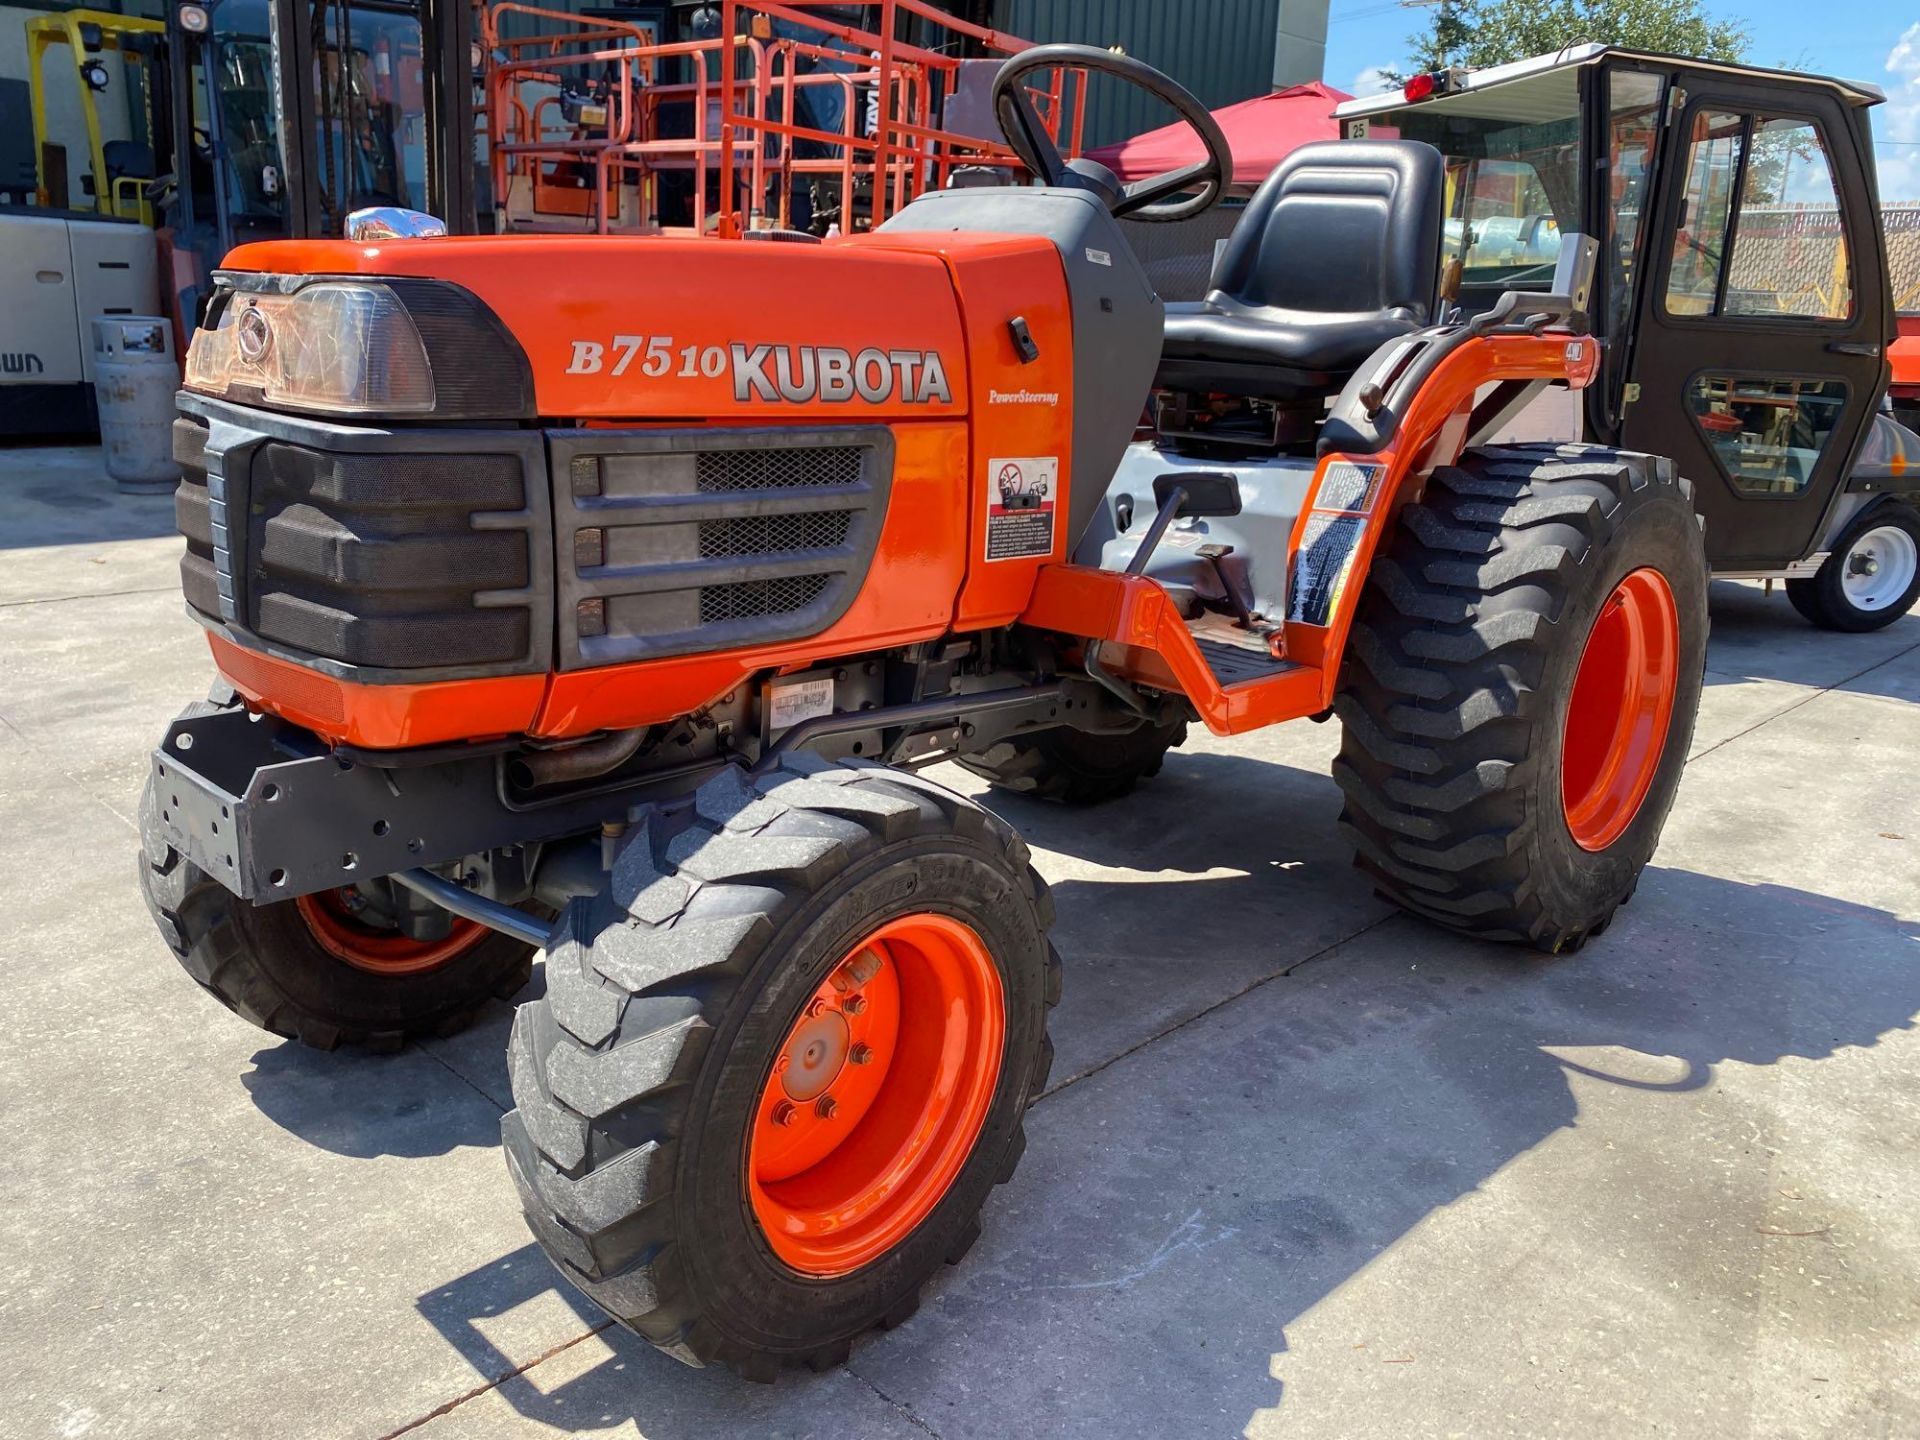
<point x="268" y="810"/>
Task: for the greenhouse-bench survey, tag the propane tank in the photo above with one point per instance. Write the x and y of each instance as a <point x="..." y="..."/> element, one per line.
<point x="134" y="380"/>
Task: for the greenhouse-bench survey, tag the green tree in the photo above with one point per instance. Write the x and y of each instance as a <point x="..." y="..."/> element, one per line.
<point x="1477" y="33"/>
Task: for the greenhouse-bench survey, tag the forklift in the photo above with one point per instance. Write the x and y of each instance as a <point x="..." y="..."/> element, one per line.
<point x="300" y="112"/>
<point x="119" y="169"/>
<point x="1744" y="302"/>
<point x="76" y="240"/>
<point x="252" y="120"/>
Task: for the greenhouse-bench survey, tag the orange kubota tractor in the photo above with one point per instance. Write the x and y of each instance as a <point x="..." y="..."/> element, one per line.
<point x="604" y="596"/>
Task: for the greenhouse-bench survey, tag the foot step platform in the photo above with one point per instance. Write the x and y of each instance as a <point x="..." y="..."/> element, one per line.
<point x="1236" y="663"/>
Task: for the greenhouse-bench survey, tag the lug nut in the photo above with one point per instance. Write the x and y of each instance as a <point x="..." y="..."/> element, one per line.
<point x="815" y="1006"/>
<point x="856" y="972"/>
<point x="861" y="1055"/>
<point x="826" y="1107"/>
<point x="784" y="1113"/>
<point x="854" y="1004"/>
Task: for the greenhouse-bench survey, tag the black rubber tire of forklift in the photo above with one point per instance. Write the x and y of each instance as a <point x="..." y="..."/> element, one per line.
<point x="1822" y="600"/>
<point x="1458" y="680"/>
<point x="637" y="1078"/>
<point x="1076" y="767"/>
<point x="263" y="964"/>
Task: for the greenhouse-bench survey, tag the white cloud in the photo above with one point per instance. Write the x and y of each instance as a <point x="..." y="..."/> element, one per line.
<point x="1373" y="80"/>
<point x="1898" y="121"/>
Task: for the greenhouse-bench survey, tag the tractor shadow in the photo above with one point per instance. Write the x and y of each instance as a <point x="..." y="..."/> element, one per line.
<point x="431" y="1098"/>
<point x="366" y="1107"/>
<point x="1207" y="1174"/>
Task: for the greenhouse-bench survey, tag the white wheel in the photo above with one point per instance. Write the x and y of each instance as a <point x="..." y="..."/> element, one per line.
<point x="1879" y="568"/>
<point x="1872" y="577"/>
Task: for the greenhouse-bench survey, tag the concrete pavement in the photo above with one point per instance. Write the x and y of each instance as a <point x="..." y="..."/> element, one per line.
<point x="1307" y="1168"/>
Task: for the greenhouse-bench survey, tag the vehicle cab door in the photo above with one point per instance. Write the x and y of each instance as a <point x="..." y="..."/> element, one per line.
<point x="1758" y="353"/>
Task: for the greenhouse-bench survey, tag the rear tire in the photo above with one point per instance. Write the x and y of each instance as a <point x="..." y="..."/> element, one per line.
<point x="1835" y="597"/>
<point x="1459" y="685"/>
<point x="266" y="964"/>
<point x="644" y="1079"/>
<point x="1076" y="767"/>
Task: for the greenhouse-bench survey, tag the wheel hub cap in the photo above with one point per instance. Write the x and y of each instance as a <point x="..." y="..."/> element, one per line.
<point x="877" y="1095"/>
<point x="814" y="1055"/>
<point x="1622" y="705"/>
<point x="1880" y="568"/>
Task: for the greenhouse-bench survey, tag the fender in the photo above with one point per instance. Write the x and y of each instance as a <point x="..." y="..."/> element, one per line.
<point x="1432" y="399"/>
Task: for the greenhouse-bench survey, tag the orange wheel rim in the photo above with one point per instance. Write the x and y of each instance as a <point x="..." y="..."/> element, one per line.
<point x="1622" y="705"/>
<point x="343" y="935"/>
<point x="877" y="1095"/>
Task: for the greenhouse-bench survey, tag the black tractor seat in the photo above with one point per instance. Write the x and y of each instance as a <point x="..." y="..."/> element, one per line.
<point x="1337" y="253"/>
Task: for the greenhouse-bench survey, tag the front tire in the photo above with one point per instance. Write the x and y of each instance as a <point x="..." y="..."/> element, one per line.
<point x="722" y="1205"/>
<point x="1520" y="689"/>
<point x="307" y="970"/>
<point x="1872" y="576"/>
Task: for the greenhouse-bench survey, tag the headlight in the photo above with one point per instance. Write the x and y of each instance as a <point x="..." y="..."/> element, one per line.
<point x="344" y="347"/>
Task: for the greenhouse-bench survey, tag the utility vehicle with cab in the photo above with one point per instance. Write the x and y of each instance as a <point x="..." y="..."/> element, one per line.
<point x="1742" y="298"/>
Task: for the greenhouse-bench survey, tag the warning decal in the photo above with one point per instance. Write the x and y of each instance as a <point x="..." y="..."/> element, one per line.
<point x="1020" y="500"/>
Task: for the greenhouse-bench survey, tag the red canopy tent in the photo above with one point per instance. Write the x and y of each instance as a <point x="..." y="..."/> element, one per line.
<point x="1260" y="132"/>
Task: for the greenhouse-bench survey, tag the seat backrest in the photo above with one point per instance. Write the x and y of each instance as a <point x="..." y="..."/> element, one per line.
<point x="131" y="158"/>
<point x="1341" y="227"/>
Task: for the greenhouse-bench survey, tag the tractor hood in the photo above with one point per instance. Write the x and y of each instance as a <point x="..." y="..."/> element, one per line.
<point x="638" y="329"/>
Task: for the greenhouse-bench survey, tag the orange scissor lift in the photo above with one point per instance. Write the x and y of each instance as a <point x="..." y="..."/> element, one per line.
<point x="578" y="117"/>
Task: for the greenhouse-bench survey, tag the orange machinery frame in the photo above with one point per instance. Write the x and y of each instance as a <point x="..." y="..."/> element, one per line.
<point x="622" y="146"/>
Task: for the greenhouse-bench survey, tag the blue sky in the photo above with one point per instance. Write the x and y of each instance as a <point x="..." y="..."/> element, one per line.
<point x="1872" y="40"/>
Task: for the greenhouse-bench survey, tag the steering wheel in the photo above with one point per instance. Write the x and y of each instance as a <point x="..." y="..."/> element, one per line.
<point x="1143" y="199"/>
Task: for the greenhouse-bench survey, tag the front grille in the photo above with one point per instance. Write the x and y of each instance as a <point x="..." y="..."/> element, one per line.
<point x="374" y="559"/>
<point x="771" y="534"/>
<point x="754" y="598"/>
<point x="428" y="559"/>
<point x="722" y="471"/>
<point x="677" y="541"/>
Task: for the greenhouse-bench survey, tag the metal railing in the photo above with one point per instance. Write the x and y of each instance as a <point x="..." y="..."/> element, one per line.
<point x="574" y="116"/>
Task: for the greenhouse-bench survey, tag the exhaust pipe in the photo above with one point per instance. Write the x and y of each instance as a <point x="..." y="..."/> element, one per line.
<point x="578" y="762"/>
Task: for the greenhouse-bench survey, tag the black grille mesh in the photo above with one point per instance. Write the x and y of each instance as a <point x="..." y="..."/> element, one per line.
<point x="773" y="534"/>
<point x="750" y="599"/>
<point x="719" y="471"/>
<point x="705" y="540"/>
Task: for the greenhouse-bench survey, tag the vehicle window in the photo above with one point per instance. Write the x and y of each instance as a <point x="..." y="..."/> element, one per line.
<point x="1509" y="223"/>
<point x="1513" y="180"/>
<point x="367" y="88"/>
<point x="1633" y="128"/>
<point x="1700" y="243"/>
<point x="1789" y="250"/>
<point x="1767" y="433"/>
<point x="248" y="152"/>
<point x="1762" y="188"/>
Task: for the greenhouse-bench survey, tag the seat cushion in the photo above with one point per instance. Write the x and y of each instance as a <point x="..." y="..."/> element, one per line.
<point x="1217" y="329"/>
<point x="1336" y="254"/>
